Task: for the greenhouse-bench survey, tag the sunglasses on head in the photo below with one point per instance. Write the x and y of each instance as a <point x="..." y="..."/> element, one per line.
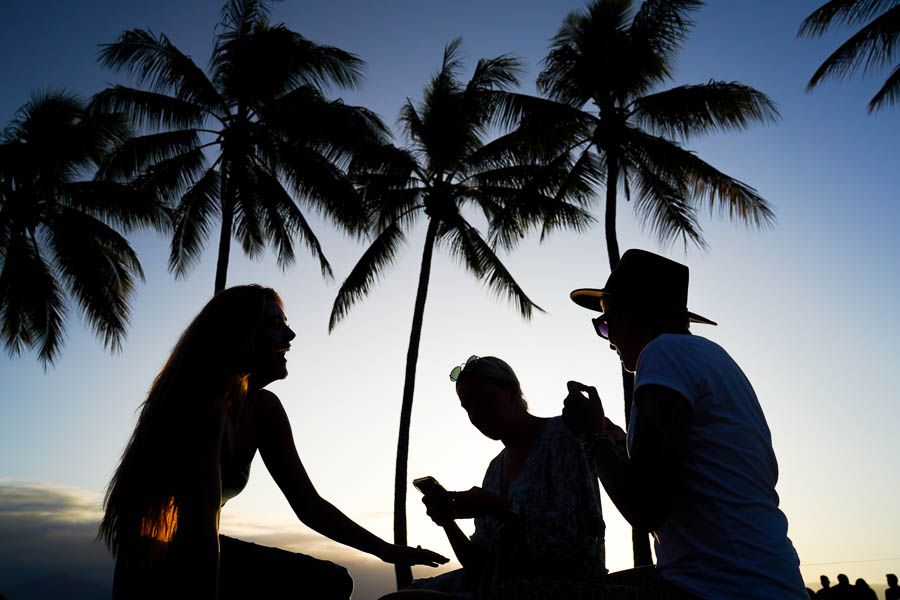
<point x="457" y="371"/>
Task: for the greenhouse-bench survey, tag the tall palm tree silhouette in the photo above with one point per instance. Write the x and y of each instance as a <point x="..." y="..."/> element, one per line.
<point x="245" y="144"/>
<point x="602" y="76"/>
<point x="60" y="228"/>
<point x="874" y="46"/>
<point x="448" y="165"/>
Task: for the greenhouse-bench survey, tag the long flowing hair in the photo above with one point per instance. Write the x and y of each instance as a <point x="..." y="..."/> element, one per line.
<point x="207" y="371"/>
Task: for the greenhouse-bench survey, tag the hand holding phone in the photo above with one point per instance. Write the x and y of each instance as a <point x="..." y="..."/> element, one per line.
<point x="437" y="500"/>
<point x="429" y="486"/>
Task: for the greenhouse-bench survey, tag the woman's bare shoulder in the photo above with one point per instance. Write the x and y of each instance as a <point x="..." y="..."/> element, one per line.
<point x="269" y="407"/>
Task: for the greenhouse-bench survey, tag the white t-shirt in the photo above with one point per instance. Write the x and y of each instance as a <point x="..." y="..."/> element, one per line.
<point x="725" y="537"/>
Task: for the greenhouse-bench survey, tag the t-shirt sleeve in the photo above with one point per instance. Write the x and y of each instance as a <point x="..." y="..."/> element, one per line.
<point x="664" y="362"/>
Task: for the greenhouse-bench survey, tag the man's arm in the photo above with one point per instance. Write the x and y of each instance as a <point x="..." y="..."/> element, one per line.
<point x="642" y="484"/>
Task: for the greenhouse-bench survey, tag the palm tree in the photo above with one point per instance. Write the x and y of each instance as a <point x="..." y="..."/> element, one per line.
<point x="604" y="109"/>
<point x="447" y="166"/>
<point x="872" y="47"/>
<point x="58" y="239"/>
<point x="261" y="116"/>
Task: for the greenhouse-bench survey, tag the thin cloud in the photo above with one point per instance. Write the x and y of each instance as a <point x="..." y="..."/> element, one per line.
<point x="49" y="531"/>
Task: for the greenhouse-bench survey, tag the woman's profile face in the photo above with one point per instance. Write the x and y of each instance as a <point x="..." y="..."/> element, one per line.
<point x="490" y="406"/>
<point x="271" y="341"/>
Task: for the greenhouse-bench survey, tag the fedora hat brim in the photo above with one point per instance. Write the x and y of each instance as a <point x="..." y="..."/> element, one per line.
<point x="590" y="298"/>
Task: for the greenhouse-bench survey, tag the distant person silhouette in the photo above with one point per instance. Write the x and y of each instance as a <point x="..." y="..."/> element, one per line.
<point x="862" y="591"/>
<point x="825" y="592"/>
<point x="843" y="590"/>
<point x="700" y="470"/>
<point x="893" y="591"/>
<point x="203" y="420"/>
<point x="537" y="513"/>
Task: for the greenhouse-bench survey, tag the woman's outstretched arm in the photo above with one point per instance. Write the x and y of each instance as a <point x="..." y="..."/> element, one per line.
<point x="279" y="453"/>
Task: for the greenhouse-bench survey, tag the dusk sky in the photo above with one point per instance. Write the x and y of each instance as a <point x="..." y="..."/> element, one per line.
<point x="808" y="308"/>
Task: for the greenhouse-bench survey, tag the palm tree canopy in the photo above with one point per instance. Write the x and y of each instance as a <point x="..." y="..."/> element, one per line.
<point x="449" y="164"/>
<point x="59" y="228"/>
<point x="873" y="47"/>
<point x="603" y="73"/>
<point x="256" y="136"/>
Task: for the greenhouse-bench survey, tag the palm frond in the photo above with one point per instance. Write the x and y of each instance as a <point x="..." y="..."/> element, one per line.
<point x="117" y="204"/>
<point x="159" y="64"/>
<point x="889" y="92"/>
<point x="590" y="57"/>
<point x="380" y="254"/>
<point x="193" y="222"/>
<point x="725" y="195"/>
<point x="452" y="61"/>
<point x="272" y="198"/>
<point x="563" y="76"/>
<point x="53" y="132"/>
<point x="149" y="110"/>
<point x="321" y="185"/>
<point x="274" y="60"/>
<point x="32" y="306"/>
<point x="543" y="118"/>
<point x="497" y="73"/>
<point x="477" y="256"/>
<point x="412" y="125"/>
<point x="240" y="17"/>
<point x="38" y="120"/>
<point x="689" y="110"/>
<point x="247" y="210"/>
<point x="386" y="179"/>
<point x="873" y="46"/>
<point x="841" y="12"/>
<point x="99" y="268"/>
<point x="169" y="179"/>
<point x="137" y="154"/>
<point x="663" y="25"/>
<point x="664" y="207"/>
<point x="323" y="121"/>
<point x="550" y="196"/>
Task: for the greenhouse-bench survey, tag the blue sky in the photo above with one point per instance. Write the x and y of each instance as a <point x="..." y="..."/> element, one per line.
<point x="808" y="308"/>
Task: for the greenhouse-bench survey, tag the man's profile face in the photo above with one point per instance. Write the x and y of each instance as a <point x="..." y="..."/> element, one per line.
<point x="621" y="332"/>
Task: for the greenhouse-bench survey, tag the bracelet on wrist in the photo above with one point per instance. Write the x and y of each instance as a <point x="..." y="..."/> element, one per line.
<point x="590" y="443"/>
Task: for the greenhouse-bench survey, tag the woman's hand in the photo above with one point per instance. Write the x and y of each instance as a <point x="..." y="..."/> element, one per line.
<point x="439" y="507"/>
<point x="477" y="502"/>
<point x="405" y="555"/>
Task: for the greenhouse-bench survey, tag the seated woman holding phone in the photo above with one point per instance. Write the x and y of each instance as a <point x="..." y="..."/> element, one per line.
<point x="537" y="514"/>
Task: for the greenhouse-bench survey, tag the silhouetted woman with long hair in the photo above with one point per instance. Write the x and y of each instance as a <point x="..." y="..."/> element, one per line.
<point x="204" y="418"/>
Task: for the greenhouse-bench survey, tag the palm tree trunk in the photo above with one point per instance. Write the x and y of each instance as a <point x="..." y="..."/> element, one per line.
<point x="612" y="184"/>
<point x="228" y="174"/>
<point x="224" y="238"/>
<point x="404" y="572"/>
<point x="640" y="540"/>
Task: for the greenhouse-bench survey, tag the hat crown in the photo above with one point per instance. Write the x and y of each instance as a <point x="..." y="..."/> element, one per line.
<point x="649" y="279"/>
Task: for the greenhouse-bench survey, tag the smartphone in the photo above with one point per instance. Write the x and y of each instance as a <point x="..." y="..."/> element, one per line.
<point x="428" y="485"/>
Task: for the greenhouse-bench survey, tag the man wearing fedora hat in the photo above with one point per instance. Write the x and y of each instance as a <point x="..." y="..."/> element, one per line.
<point x="699" y="470"/>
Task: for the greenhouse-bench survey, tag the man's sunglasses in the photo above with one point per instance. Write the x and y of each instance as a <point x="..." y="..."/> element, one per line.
<point x="601" y="326"/>
<point x="457" y="371"/>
